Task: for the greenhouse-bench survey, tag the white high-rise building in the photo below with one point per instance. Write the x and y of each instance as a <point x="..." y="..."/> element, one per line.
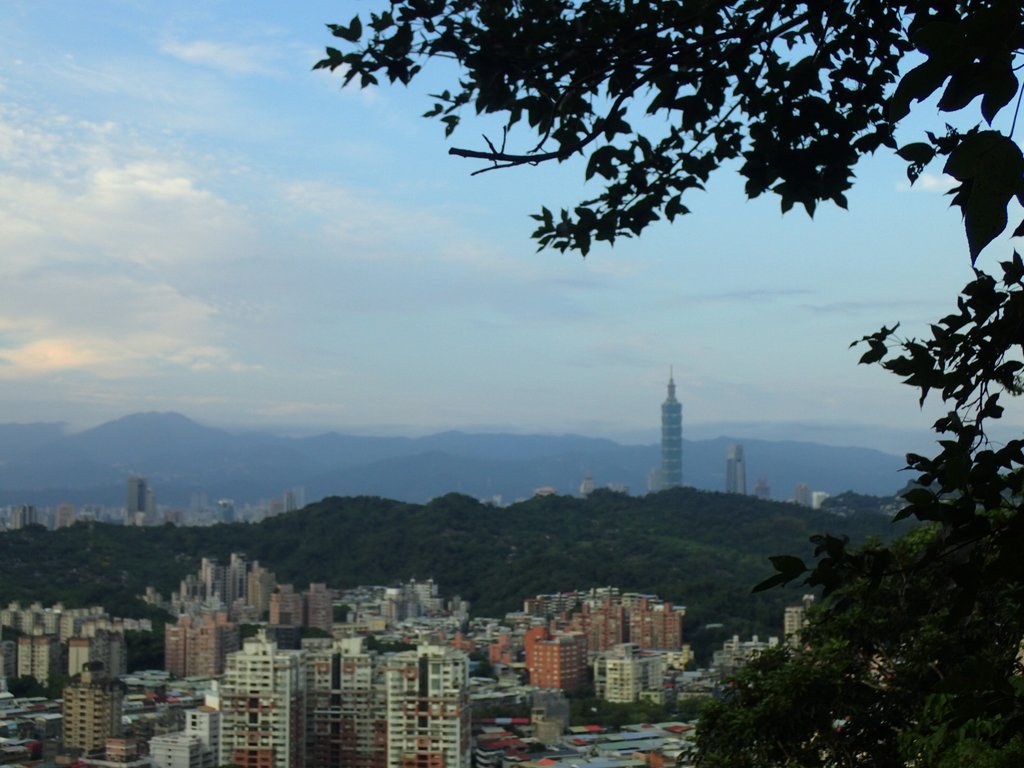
<point x="263" y="712"/>
<point x="428" y="711"/>
<point x="178" y="750"/>
<point x="624" y="672"/>
<point x="195" y="747"/>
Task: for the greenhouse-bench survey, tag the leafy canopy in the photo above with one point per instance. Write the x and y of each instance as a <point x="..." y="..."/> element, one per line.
<point x="658" y="96"/>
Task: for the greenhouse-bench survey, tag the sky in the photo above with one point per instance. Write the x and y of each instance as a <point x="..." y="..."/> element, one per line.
<point x="193" y="220"/>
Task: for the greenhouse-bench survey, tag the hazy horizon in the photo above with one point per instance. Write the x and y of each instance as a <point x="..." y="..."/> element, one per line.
<point x="876" y="437"/>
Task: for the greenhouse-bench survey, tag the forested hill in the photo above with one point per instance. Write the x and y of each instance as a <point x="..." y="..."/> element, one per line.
<point x="703" y="550"/>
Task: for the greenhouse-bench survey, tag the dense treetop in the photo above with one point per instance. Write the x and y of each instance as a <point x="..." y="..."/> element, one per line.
<point x="702" y="550"/>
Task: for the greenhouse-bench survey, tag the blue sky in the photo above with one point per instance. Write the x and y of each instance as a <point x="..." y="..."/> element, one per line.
<point x="193" y="220"/>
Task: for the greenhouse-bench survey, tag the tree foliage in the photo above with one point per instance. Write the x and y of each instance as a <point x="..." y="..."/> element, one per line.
<point x="914" y="657"/>
<point x="658" y="96"/>
<point x="699" y="549"/>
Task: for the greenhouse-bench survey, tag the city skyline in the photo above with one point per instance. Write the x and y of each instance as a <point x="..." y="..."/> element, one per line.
<point x="198" y="223"/>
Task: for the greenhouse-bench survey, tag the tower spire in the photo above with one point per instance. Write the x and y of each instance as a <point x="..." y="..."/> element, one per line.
<point x="671" y="437"/>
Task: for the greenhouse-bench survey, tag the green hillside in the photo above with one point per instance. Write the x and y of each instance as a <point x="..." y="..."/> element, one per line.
<point x="703" y="550"/>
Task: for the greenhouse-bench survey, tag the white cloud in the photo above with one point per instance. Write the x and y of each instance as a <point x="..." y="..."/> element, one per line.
<point x="101" y="236"/>
<point x="226" y="57"/>
<point x="929" y="182"/>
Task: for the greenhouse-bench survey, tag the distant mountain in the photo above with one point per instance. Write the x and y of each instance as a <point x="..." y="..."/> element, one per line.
<point x="42" y="464"/>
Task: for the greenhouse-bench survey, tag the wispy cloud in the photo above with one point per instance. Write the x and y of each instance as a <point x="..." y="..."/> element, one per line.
<point x="929" y="182"/>
<point x="901" y="306"/>
<point x="754" y="296"/>
<point x="230" y="58"/>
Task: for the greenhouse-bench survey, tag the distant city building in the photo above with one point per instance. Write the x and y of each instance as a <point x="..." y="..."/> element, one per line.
<point x="195" y="747"/>
<point x="762" y="490"/>
<point x="263" y="714"/>
<point x="66" y="515"/>
<point x="23" y="516"/>
<point x="428" y="710"/>
<point x="39" y="657"/>
<point x="735" y="470"/>
<point x="624" y="672"/>
<point x="226" y="510"/>
<point x="802" y="495"/>
<point x="105" y="647"/>
<point x="347" y="707"/>
<point x="93" y="705"/>
<point x="656" y="624"/>
<point x="794" y="619"/>
<point x="286" y="606"/>
<point x="140" y="503"/>
<point x="587" y="486"/>
<point x="556" y="661"/>
<point x="294" y="499"/>
<point x="318" y="607"/>
<point x="736" y="653"/>
<point x="549" y="716"/>
<point x="818" y="498"/>
<point x="671" y="439"/>
<point x="199" y="645"/>
<point x="261" y="585"/>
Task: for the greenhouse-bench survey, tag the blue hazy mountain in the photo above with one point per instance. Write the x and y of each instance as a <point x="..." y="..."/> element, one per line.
<point x="42" y="464"/>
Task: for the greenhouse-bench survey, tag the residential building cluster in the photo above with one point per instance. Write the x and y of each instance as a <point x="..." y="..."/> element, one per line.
<point x="141" y="508"/>
<point x="388" y="685"/>
<point x="56" y="640"/>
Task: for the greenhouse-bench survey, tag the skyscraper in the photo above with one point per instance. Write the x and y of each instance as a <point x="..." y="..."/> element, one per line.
<point x="735" y="470"/>
<point x="140" y="506"/>
<point x="671" y="438"/>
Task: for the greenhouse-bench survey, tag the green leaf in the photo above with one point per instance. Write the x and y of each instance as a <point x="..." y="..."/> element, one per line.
<point x="351" y="33"/>
<point x="918" y="152"/>
<point x="990" y="168"/>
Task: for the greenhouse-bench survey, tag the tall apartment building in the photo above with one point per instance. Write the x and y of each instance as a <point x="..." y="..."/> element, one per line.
<point x="556" y="661"/>
<point x="604" y="624"/>
<point x="93" y="705"/>
<point x="286" y="606"/>
<point x="39" y="657"/>
<point x="263" y="714"/>
<point x="199" y="646"/>
<point x="794" y="619"/>
<point x="318" y="605"/>
<point x="8" y="658"/>
<point x="623" y="673"/>
<point x="104" y="646"/>
<point x="656" y="624"/>
<point x="428" y="712"/>
<point x="347" y="703"/>
<point x="261" y="584"/>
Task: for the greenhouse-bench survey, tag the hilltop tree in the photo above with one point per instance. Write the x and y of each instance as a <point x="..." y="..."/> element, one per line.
<point x="913" y="657"/>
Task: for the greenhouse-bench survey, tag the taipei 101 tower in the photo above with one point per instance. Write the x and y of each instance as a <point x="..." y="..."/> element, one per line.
<point x="671" y="438"/>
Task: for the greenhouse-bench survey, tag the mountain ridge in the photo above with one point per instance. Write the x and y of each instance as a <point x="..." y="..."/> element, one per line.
<point x="42" y="464"/>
